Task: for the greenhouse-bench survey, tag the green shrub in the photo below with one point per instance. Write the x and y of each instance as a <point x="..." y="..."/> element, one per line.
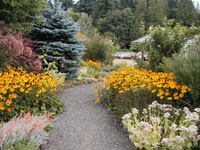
<point x="23" y="145"/>
<point x="99" y="49"/>
<point x="165" y="42"/>
<point x="187" y="71"/>
<point x="4" y="58"/>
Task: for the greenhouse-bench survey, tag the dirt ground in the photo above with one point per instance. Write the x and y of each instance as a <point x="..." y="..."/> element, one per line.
<point x="124" y="62"/>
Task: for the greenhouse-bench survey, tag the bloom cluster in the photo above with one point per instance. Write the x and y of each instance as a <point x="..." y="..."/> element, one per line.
<point x="163" y="126"/>
<point x="93" y="64"/>
<point x="16" y="81"/>
<point x="159" y="83"/>
<point x="27" y="127"/>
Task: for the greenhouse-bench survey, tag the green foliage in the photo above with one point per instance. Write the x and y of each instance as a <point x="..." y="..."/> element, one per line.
<point x="119" y="23"/>
<point x="86" y="6"/>
<point x="66" y="3"/>
<point x="156" y="12"/>
<point x="100" y="49"/>
<point x="56" y="38"/>
<point x="4" y="58"/>
<point x="186" y="13"/>
<point x="22" y="145"/>
<point x="86" y="26"/>
<point x="123" y="103"/>
<point x="20" y="14"/>
<point x="165" y="42"/>
<point x="74" y="16"/>
<point x="128" y="4"/>
<point x="186" y="69"/>
<point x="90" y="72"/>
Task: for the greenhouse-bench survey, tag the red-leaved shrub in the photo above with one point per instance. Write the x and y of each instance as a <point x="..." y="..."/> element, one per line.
<point x="20" y="51"/>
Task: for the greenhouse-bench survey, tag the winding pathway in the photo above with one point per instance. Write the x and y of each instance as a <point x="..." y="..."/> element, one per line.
<point x="86" y="125"/>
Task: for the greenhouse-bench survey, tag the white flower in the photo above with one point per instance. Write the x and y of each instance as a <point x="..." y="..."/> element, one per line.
<point x="136" y="144"/>
<point x="155" y="145"/>
<point x="186" y="110"/>
<point x="191" y="117"/>
<point x="166" y="115"/>
<point x="134" y="111"/>
<point x="179" y="139"/>
<point x="189" y="145"/>
<point x="197" y="110"/>
<point x="131" y="137"/>
<point x="165" y="141"/>
<point x="144" y="111"/>
<point x="127" y="116"/>
<point x="177" y="112"/>
<point x="173" y="127"/>
<point x="147" y="129"/>
<point x="153" y="105"/>
<point x="155" y="120"/>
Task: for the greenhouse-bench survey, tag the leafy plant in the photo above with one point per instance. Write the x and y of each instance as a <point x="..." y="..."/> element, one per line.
<point x="30" y="92"/>
<point x="163" y="127"/>
<point x="22" y="145"/>
<point x="26" y="128"/>
<point x="18" y="50"/>
<point x="165" y="42"/>
<point x="186" y="71"/>
<point x="99" y="49"/>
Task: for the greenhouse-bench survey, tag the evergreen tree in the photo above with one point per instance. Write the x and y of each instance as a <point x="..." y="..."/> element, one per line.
<point x="55" y="38"/>
<point x="129" y="4"/>
<point x="141" y="10"/>
<point x="119" y="23"/>
<point x="186" y="13"/>
<point x="66" y="3"/>
<point x="20" y="14"/>
<point x="86" y="6"/>
<point x="173" y="5"/>
<point x="102" y="8"/>
<point x="86" y="26"/>
<point x="138" y="28"/>
<point x="156" y="12"/>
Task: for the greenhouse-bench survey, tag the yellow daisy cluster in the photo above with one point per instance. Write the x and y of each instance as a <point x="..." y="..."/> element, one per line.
<point x="18" y="81"/>
<point x="93" y="64"/>
<point x="130" y="78"/>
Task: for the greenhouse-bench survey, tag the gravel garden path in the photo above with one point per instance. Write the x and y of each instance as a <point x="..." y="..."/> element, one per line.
<point x="86" y="125"/>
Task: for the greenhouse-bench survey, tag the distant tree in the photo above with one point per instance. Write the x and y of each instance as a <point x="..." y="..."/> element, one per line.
<point x="102" y="8"/>
<point x="129" y="4"/>
<point x="186" y="13"/>
<point x="66" y="3"/>
<point x="55" y="38"/>
<point x="119" y="23"/>
<point x="85" y="23"/>
<point x="137" y="30"/>
<point x="156" y="12"/>
<point x="141" y="9"/>
<point x="173" y="5"/>
<point x="21" y="13"/>
<point x="86" y="6"/>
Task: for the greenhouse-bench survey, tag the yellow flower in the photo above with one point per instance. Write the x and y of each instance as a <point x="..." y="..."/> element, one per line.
<point x="8" y="102"/>
<point x="167" y="93"/>
<point x="169" y="98"/>
<point x="97" y="100"/>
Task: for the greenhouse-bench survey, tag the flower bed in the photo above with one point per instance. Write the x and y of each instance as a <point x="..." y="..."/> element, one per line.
<point x="31" y="92"/>
<point x="163" y="127"/>
<point x="161" y="84"/>
<point x="28" y="129"/>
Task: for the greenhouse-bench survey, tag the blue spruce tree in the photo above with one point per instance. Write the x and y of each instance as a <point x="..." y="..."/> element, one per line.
<point x="55" y="38"/>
